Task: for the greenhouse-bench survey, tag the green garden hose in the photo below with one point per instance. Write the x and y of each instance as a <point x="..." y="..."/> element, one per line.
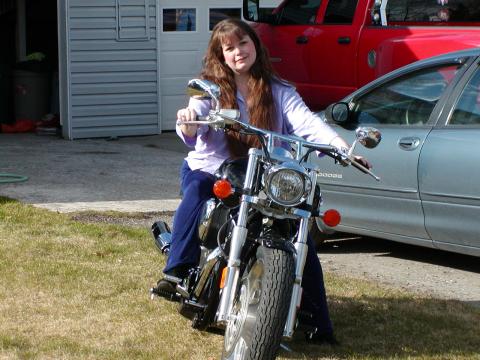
<point x="11" y="178"/>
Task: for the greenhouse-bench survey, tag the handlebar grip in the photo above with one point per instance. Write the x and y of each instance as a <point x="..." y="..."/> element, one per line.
<point x="201" y="118"/>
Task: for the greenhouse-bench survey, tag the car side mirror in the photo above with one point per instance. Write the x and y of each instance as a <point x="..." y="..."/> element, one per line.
<point x="338" y="113"/>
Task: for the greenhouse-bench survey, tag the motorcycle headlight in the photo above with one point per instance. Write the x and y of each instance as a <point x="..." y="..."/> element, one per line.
<point x="287" y="185"/>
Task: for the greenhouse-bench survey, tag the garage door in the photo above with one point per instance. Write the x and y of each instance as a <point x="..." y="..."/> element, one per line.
<point x="183" y="34"/>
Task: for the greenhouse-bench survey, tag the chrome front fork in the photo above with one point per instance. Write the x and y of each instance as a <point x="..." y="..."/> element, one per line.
<point x="300" y="259"/>
<point x="238" y="239"/>
<point x="301" y="248"/>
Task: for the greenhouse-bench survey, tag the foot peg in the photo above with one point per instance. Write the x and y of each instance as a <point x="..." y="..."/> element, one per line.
<point x="165" y="289"/>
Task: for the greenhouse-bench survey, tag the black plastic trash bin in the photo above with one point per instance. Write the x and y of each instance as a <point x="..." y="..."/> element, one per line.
<point x="5" y="94"/>
<point x="32" y="94"/>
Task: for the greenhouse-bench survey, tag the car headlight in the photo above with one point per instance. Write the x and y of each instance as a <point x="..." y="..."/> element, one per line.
<point x="287" y="184"/>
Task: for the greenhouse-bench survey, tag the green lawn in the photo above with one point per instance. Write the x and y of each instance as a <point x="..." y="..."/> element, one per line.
<point x="73" y="290"/>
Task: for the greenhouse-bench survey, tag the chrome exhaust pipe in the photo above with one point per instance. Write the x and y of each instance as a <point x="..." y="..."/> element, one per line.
<point x="162" y="236"/>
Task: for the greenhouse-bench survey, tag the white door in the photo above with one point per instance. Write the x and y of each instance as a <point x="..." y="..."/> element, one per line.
<point x="183" y="34"/>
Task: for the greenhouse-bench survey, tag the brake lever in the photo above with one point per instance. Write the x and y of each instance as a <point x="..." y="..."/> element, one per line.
<point x="346" y="157"/>
<point x="362" y="168"/>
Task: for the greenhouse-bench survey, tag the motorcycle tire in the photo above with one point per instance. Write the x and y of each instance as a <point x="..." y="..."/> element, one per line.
<point x="261" y="305"/>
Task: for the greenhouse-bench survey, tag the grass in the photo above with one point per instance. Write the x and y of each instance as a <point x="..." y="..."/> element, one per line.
<point x="73" y="290"/>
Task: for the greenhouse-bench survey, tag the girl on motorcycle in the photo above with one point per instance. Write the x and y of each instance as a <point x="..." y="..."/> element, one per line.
<point x="237" y="62"/>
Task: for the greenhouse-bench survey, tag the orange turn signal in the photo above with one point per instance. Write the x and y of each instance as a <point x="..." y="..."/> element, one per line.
<point x="222" y="189"/>
<point x="223" y="278"/>
<point x="331" y="217"/>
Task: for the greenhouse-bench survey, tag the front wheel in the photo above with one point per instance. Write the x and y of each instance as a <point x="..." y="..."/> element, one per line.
<point x="255" y="326"/>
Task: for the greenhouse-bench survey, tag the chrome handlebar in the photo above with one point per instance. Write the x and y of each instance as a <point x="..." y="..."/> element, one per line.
<point x="228" y="119"/>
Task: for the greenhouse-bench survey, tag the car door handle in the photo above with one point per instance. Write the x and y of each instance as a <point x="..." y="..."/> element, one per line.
<point x="409" y="143"/>
<point x="344" y="40"/>
<point x="301" y="40"/>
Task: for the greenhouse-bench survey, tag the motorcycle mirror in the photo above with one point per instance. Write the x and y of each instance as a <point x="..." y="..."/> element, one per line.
<point x="203" y="89"/>
<point x="368" y="136"/>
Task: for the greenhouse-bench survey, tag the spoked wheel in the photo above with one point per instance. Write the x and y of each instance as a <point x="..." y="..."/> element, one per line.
<point x="260" y="309"/>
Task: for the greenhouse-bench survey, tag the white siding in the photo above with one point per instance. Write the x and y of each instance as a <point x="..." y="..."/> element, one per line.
<point x="112" y="68"/>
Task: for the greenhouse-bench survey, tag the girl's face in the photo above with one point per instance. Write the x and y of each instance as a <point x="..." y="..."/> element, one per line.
<point x="239" y="54"/>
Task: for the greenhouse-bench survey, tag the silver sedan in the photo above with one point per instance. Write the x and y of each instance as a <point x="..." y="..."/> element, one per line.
<point x="428" y="160"/>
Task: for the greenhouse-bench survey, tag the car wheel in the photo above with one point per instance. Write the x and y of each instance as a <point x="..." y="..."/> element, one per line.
<point x="320" y="233"/>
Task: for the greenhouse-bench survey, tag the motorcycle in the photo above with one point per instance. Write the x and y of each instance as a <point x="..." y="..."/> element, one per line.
<point x="253" y="235"/>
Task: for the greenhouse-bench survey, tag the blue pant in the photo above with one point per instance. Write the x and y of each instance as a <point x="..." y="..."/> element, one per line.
<point x="197" y="187"/>
<point x="314" y="298"/>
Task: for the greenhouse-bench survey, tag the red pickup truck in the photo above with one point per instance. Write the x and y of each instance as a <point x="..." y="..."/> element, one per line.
<point x="330" y="48"/>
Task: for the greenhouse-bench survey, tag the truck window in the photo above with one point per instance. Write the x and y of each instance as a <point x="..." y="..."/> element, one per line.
<point x="340" y="12"/>
<point x="432" y="11"/>
<point x="298" y="12"/>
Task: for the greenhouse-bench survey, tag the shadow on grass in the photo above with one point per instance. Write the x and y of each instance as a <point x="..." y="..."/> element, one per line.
<point x="385" y="328"/>
<point x="4" y="200"/>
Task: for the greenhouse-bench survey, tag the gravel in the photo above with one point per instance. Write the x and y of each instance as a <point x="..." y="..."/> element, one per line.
<point x="425" y="271"/>
<point x="416" y="269"/>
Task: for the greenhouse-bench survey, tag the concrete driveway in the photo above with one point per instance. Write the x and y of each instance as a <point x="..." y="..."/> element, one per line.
<point x="124" y="174"/>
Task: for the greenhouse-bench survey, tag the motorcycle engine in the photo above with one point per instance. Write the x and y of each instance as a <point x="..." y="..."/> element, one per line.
<point x="214" y="215"/>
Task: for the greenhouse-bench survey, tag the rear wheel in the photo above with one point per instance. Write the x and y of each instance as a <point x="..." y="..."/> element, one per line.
<point x="255" y="326"/>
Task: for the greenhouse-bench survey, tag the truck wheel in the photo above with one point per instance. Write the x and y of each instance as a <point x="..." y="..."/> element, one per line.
<point x="255" y="326"/>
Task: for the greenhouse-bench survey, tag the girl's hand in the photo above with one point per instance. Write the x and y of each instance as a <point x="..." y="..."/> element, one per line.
<point x="363" y="161"/>
<point x="187" y="115"/>
<point x="341" y="143"/>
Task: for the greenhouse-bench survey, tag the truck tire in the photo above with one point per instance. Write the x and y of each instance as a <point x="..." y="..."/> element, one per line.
<point x="260" y="307"/>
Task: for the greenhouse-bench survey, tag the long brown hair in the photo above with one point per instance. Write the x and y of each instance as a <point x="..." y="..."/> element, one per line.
<point x="260" y="104"/>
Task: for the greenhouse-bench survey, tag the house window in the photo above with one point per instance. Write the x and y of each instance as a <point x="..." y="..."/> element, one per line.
<point x="218" y="14"/>
<point x="179" y="19"/>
